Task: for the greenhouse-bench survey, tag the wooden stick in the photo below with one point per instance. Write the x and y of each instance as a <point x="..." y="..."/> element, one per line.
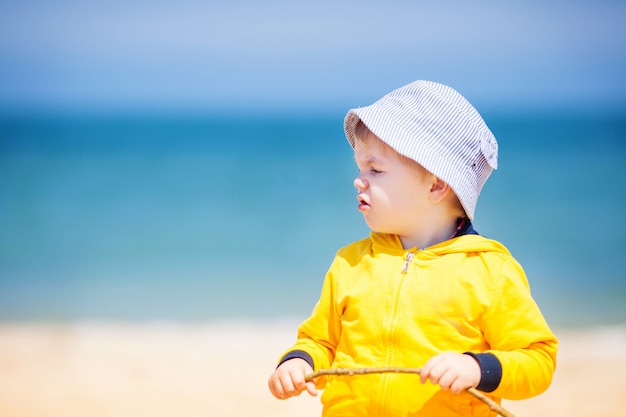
<point x="493" y="406"/>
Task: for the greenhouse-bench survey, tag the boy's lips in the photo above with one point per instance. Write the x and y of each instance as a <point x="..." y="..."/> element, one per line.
<point x="363" y="202"/>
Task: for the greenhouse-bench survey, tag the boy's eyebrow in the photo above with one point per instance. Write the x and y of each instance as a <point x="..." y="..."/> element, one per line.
<point x="367" y="159"/>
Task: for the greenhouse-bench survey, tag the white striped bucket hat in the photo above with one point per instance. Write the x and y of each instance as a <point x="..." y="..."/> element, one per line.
<point x="438" y="128"/>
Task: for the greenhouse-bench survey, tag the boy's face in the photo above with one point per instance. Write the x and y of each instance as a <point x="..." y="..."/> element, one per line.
<point x="392" y="190"/>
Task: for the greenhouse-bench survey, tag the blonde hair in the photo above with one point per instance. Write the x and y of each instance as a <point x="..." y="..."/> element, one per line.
<point x="362" y="133"/>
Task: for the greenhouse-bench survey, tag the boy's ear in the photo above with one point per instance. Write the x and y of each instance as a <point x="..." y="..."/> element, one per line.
<point x="439" y="190"/>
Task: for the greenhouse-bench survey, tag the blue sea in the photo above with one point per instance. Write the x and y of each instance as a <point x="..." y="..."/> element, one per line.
<point x="196" y="218"/>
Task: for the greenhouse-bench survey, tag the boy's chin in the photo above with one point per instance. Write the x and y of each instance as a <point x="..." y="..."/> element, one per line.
<point x="374" y="226"/>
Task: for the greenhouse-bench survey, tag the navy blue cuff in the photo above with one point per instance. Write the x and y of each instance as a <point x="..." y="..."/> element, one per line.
<point x="490" y="371"/>
<point x="297" y="354"/>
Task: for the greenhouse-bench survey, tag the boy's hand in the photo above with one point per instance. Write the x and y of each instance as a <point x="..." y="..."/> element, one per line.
<point x="453" y="371"/>
<point x="288" y="379"/>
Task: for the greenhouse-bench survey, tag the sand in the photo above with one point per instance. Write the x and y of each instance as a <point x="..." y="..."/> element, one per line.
<point x="221" y="369"/>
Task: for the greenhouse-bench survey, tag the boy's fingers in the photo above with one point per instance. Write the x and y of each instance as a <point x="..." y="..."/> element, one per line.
<point x="288" y="380"/>
<point x="282" y="387"/>
<point x="276" y="388"/>
<point x="446" y="380"/>
<point x="310" y="387"/>
<point x="457" y="386"/>
<point x="428" y="374"/>
<point x="290" y="388"/>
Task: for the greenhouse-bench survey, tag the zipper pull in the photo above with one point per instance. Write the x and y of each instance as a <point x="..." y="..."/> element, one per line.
<point x="409" y="257"/>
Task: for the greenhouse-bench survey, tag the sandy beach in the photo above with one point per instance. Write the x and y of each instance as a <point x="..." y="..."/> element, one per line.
<point x="221" y="369"/>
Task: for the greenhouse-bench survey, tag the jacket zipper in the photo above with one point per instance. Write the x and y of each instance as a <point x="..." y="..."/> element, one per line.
<point x="391" y="329"/>
<point x="407" y="262"/>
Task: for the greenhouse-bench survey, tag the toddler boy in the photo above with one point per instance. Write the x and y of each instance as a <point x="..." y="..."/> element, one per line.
<point x="424" y="289"/>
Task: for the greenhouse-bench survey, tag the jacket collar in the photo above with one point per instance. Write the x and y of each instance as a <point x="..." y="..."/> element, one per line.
<point x="391" y="243"/>
<point x="466" y="228"/>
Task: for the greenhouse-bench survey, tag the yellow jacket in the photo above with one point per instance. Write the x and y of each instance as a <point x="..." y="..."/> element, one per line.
<point x="382" y="305"/>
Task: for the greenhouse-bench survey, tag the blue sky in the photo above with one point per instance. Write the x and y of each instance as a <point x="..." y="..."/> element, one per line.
<point x="325" y="55"/>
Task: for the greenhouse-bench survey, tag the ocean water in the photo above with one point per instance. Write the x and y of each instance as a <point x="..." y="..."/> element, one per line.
<point x="209" y="218"/>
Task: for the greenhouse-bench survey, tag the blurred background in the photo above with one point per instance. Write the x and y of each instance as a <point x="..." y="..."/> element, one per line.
<point x="186" y="161"/>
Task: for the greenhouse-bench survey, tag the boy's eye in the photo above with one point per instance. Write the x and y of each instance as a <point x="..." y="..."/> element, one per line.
<point x="375" y="171"/>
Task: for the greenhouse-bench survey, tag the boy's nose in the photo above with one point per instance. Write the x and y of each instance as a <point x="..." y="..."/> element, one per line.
<point x="360" y="183"/>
